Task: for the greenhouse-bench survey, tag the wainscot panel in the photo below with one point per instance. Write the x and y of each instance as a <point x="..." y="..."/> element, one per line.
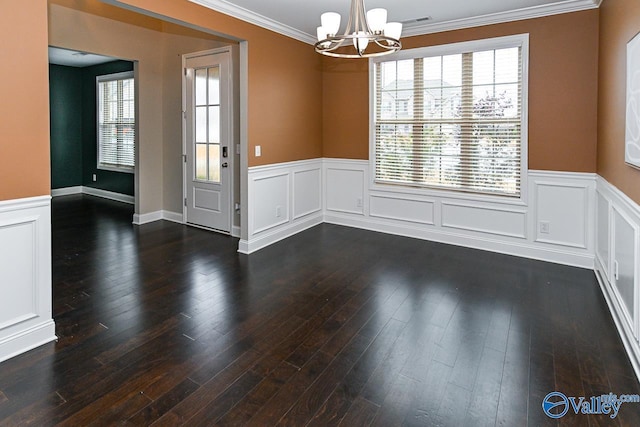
<point x="618" y="263"/>
<point x="25" y="275"/>
<point x="559" y="203"/>
<point x="284" y="199"/>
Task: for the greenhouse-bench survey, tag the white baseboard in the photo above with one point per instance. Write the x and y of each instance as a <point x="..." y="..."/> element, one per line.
<point x="236" y="231"/>
<point x="521" y="249"/>
<point x="280" y="233"/>
<point x="118" y="197"/>
<point x="141" y="219"/>
<point x="108" y="195"/>
<point x="632" y="348"/>
<point x="27" y="339"/>
<point x="172" y="216"/>
<point x="66" y="191"/>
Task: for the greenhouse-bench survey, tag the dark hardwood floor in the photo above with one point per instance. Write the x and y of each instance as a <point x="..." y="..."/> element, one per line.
<point x="165" y="324"/>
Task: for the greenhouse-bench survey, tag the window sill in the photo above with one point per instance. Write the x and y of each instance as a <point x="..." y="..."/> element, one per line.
<point x="116" y="169"/>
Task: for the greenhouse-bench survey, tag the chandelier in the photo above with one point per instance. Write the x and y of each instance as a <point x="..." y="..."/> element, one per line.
<point x="363" y="29"/>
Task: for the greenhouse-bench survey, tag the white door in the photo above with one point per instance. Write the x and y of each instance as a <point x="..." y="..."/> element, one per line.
<point x="208" y="140"/>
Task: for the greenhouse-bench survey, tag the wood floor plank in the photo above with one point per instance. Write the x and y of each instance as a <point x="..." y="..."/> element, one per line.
<point x="168" y="325"/>
<point x="163" y="404"/>
<point x="349" y="388"/>
<point x="360" y="413"/>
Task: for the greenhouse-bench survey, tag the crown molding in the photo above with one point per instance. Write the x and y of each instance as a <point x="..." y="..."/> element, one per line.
<point x="246" y="15"/>
<point x="502" y="17"/>
<point x="566" y="6"/>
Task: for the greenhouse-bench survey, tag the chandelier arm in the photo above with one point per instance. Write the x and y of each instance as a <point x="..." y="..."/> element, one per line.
<point x="362" y="15"/>
<point x="347" y="29"/>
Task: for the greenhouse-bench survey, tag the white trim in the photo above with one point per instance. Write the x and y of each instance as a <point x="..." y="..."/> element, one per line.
<point x="118" y="197"/>
<point x="311" y="164"/>
<point x="91" y="191"/>
<point x="532" y="12"/>
<point x="66" y="191"/>
<point x="550" y="254"/>
<point x="235" y="231"/>
<point x="627" y="323"/>
<point x="515" y="40"/>
<point x="626" y="335"/>
<point x="26" y="203"/>
<point x="486" y="234"/>
<point x="28" y="339"/>
<point x="29" y="221"/>
<point x="141" y="219"/>
<point x="251" y="17"/>
<point x="521" y="212"/>
<point x="276" y="234"/>
<point x="173" y="217"/>
<point x="409" y="30"/>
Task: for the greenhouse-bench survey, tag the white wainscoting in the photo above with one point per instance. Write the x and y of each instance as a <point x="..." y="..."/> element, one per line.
<point x="25" y="275"/>
<point x="618" y="263"/>
<point x="284" y="199"/>
<point x="564" y="201"/>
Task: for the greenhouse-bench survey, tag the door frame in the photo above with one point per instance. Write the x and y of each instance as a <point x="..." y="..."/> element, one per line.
<point x="234" y="154"/>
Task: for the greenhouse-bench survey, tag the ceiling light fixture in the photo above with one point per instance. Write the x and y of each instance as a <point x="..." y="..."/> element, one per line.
<point x="362" y="30"/>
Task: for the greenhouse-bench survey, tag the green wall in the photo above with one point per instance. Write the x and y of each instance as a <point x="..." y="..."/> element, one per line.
<point x="74" y="129"/>
<point x="65" y="95"/>
<point x="119" y="182"/>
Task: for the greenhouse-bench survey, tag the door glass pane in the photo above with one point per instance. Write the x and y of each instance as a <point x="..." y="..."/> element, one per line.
<point x="214" y="85"/>
<point x="201" y="87"/>
<point x="214" y="163"/>
<point x="201" y="124"/>
<point x="201" y="161"/>
<point x="214" y="125"/>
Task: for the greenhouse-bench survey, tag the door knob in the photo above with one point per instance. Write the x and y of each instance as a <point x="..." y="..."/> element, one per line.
<point x="225" y="165"/>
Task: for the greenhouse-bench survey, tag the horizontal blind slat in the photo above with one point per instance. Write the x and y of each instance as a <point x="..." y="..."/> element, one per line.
<point x="116" y="123"/>
<point x="457" y="129"/>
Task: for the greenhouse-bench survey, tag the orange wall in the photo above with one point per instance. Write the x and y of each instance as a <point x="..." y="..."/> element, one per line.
<point x="619" y="23"/>
<point x="563" y="69"/>
<point x="285" y="83"/>
<point x="24" y="109"/>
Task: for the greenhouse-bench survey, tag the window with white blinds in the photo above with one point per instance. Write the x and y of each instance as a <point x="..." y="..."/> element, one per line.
<point x="451" y="117"/>
<point x="116" y="121"/>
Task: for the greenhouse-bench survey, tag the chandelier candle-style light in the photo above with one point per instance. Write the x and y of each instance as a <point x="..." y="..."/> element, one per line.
<point x="362" y="29"/>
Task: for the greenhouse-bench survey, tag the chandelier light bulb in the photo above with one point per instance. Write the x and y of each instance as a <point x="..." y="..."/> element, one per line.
<point x="361" y="41"/>
<point x="377" y="18"/>
<point x="330" y="21"/>
<point x="322" y="34"/>
<point x="393" y="30"/>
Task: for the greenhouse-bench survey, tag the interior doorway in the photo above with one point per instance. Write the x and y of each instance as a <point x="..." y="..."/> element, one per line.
<point x="93" y="125"/>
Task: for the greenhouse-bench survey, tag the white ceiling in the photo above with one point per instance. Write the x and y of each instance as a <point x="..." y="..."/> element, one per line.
<point x="72" y="58"/>
<point x="299" y="18"/>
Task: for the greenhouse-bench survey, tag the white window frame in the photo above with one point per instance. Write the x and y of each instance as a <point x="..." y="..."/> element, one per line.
<point x="518" y="40"/>
<point x="107" y="78"/>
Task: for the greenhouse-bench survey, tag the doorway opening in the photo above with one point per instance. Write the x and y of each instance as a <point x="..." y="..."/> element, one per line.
<point x="93" y="118"/>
